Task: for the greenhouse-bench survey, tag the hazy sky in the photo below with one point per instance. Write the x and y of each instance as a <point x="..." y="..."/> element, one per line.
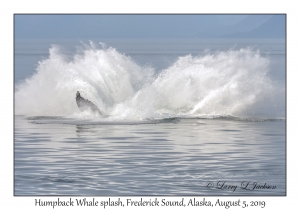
<point x="135" y="26"/>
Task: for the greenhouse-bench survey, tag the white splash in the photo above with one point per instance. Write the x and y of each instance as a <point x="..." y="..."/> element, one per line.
<point x="233" y="82"/>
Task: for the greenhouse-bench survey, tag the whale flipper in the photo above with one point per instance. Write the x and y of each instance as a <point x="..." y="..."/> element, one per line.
<point x="84" y="104"/>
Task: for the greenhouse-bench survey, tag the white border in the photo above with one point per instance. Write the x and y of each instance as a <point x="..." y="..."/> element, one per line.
<point x="8" y="8"/>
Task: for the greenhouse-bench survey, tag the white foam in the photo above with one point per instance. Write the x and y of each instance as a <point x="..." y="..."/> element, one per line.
<point x="233" y="82"/>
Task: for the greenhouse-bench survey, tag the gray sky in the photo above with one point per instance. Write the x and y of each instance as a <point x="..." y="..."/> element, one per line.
<point x="142" y="26"/>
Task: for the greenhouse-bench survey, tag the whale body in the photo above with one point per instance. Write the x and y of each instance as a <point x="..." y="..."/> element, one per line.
<point x="84" y="104"/>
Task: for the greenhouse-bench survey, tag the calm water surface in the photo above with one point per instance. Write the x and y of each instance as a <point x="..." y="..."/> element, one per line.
<point x="180" y="157"/>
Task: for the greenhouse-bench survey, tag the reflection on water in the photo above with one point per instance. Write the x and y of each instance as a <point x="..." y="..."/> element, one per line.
<point x="170" y="158"/>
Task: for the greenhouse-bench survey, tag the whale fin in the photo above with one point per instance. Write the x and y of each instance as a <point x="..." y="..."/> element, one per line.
<point x="85" y="104"/>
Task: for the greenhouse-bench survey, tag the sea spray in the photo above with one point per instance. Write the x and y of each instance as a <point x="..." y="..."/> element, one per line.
<point x="233" y="82"/>
<point x="105" y="77"/>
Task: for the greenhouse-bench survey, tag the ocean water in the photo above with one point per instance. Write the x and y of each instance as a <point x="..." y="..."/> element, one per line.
<point x="180" y="117"/>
